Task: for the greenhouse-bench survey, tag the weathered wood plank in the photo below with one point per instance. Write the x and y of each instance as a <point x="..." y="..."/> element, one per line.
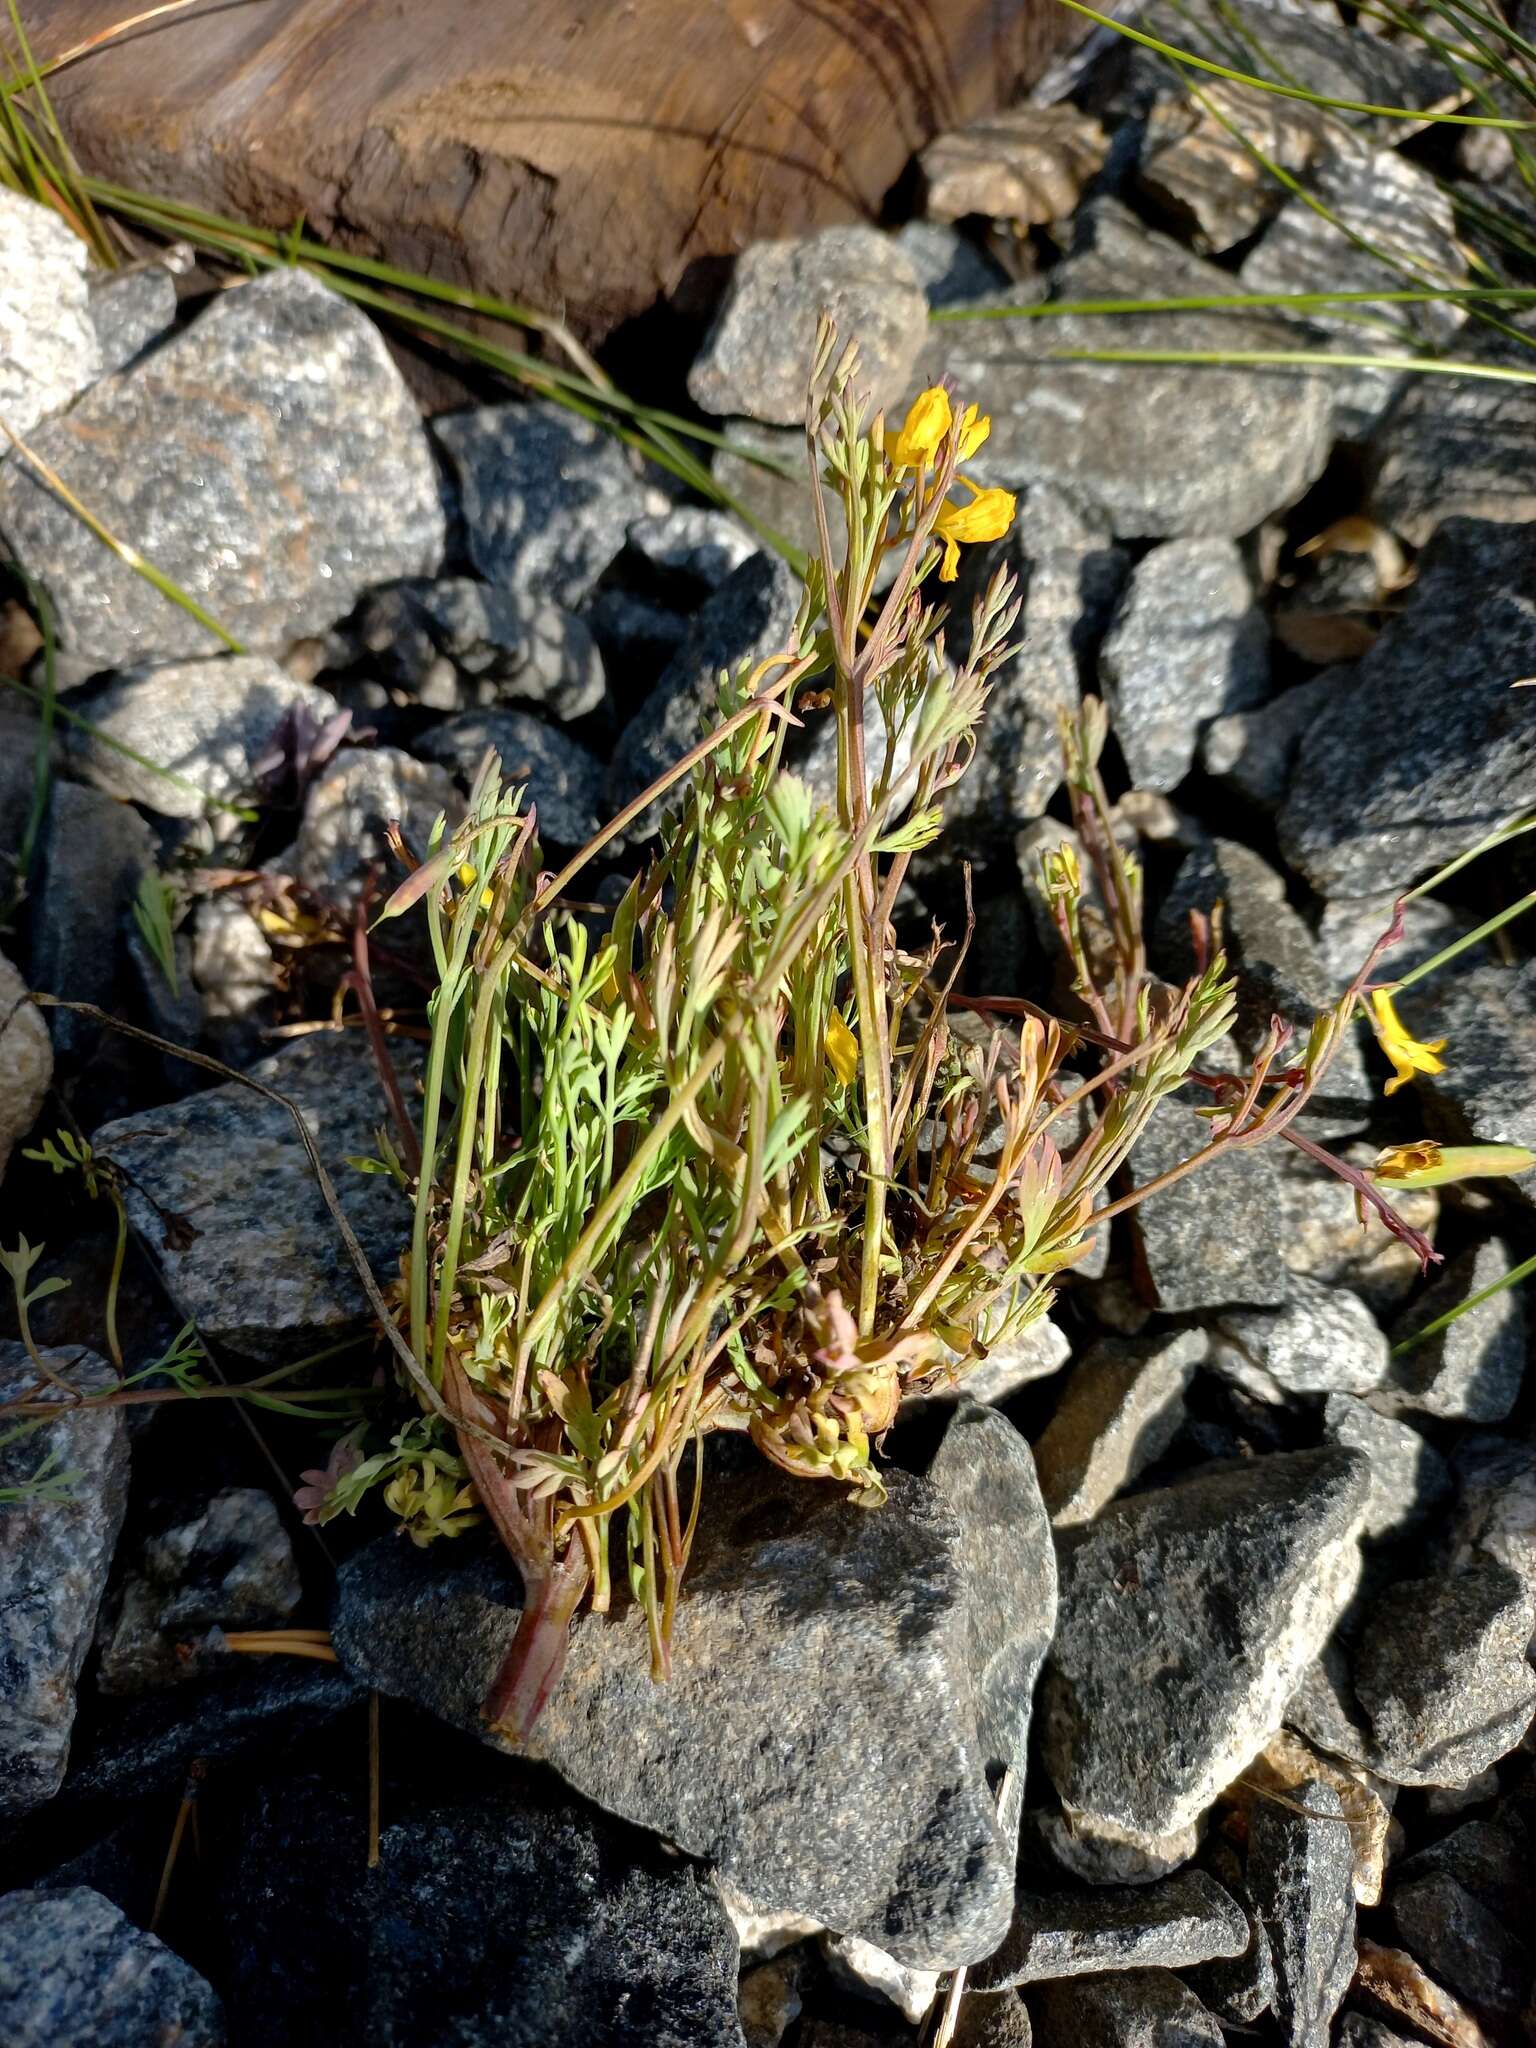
<point x="578" y="155"/>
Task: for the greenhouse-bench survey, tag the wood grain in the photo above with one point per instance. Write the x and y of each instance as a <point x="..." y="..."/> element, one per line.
<point x="576" y="155"/>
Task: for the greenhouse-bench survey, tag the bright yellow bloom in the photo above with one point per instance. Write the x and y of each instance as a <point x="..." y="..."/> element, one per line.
<point x="988" y="517"/>
<point x="842" y="1049"/>
<point x="922" y="433"/>
<point x="974" y="429"/>
<point x="1409" y="1056"/>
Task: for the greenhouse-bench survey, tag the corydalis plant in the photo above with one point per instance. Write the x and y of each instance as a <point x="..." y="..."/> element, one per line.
<point x="720" y="1162"/>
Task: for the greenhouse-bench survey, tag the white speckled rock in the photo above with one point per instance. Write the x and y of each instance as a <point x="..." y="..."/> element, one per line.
<point x="48" y="344"/>
<point x="26" y="1061"/>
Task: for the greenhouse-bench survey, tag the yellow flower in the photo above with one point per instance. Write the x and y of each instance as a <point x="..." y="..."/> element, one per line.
<point x="1406" y="1162"/>
<point x="842" y="1049"/>
<point x="1409" y="1056"/>
<point x="988" y="517"/>
<point x="922" y="433"/>
<point x="974" y="429"/>
<point x="1424" y="1164"/>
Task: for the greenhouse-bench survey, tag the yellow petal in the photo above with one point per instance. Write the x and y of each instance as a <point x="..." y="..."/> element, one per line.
<point x="974" y="429"/>
<point x="949" y="568"/>
<point x="1409" y="1056"/>
<point x="842" y="1049"/>
<point x="922" y="432"/>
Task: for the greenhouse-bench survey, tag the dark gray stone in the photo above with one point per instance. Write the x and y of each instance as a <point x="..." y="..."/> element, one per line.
<point x="1348" y="927"/>
<point x="94" y="853"/>
<point x="49" y="349"/>
<point x="342" y="835"/>
<point x="1489" y="1859"/>
<point x="207" y="722"/>
<point x="1323" y="1341"/>
<point x="499" y="1912"/>
<point x="1209" y="1239"/>
<point x="802" y="1613"/>
<point x="776" y="497"/>
<point x="561" y="776"/>
<point x="1457" y="447"/>
<point x="1301" y="1879"/>
<point x="547" y="497"/>
<point x="76" y="1973"/>
<point x="1471" y="1371"/>
<point x="1252" y="752"/>
<point x="1157" y="450"/>
<point x="1462" y="1944"/>
<point x="1236" y="1988"/>
<point x="1131" y="2009"/>
<point x="1375" y="195"/>
<point x="1428" y="747"/>
<point x="1187" y="1617"/>
<point x="996" y="2020"/>
<point x="1359" y="2030"/>
<point x="130" y="310"/>
<point x="221" y="1191"/>
<point x="691" y="549"/>
<point x="1120" y="1410"/>
<point x="1185" y="1919"/>
<point x="635" y="633"/>
<point x="269" y="460"/>
<point x="1496" y="1505"/>
<point x="229" y="1566"/>
<point x="1188" y="643"/>
<point x="26" y="1061"/>
<point x="750" y="616"/>
<point x="1487" y="1015"/>
<point x="1442" y="1674"/>
<point x="950" y="267"/>
<point x="1409" y="1478"/>
<point x="54" y="1559"/>
<point x="758" y="356"/>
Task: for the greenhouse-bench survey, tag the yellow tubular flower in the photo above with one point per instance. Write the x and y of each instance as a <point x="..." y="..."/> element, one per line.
<point x="988" y="517"/>
<point x="974" y="429"/>
<point x="842" y="1049"/>
<point x="1409" y="1056"/>
<point x="923" y="430"/>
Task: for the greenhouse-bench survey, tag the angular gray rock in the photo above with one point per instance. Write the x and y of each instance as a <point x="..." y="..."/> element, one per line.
<point x="1319" y="1235"/>
<point x="1442" y="1674"/>
<point x="1026" y="165"/>
<point x="1463" y="1944"/>
<point x="950" y="266"/>
<point x="1200" y="163"/>
<point x="26" y="1061"/>
<point x="1187" y="644"/>
<point x="455" y="644"/>
<point x="1184" y="1919"/>
<point x="691" y="549"/>
<point x="1323" y="1341"/>
<point x="750" y="616"/>
<point x="221" y="1191"/>
<point x="1486" y="1013"/>
<point x="95" y="851"/>
<point x="207" y="722"/>
<point x="1252" y="752"/>
<point x="1037" y="1351"/>
<point x="269" y="460"/>
<point x="1236" y="1988"/>
<point x="1426" y="749"/>
<point x="1209" y="1239"/>
<point x="1409" y="1478"/>
<point x="230" y="1566"/>
<point x="1373" y="194"/>
<point x="1248" y="441"/>
<point x="758" y="356"/>
<point x="561" y="776"/>
<point x="75" y="1970"/>
<point x="1130" y="2009"/>
<point x="1120" y="1410"/>
<point x="804" y="1614"/>
<point x="131" y="309"/>
<point x="1301" y="1879"/>
<point x="49" y="349"/>
<point x="348" y="806"/>
<point x="1187" y="1617"/>
<point x="1471" y="1371"/>
<point x="1496" y="1504"/>
<point x="1359" y="2030"/>
<point x="54" y="1559"/>
<point x="1456" y="451"/>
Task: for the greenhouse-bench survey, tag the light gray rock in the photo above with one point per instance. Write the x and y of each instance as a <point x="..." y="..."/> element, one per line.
<point x="1097" y="1852"/>
<point x="1319" y="1235"/>
<point x="1253" y="752"/>
<point x="1121" y="1409"/>
<point x="232" y="964"/>
<point x="269" y="460"/>
<point x="1454" y="451"/>
<point x="1495" y="1514"/>
<point x="1301" y="1879"/>
<point x="455" y="644"/>
<point x="49" y="349"/>
<point x="1209" y="1239"/>
<point x="75" y="1970"/>
<point x="1187" y="1617"/>
<point x="868" y="1972"/>
<point x="207" y="722"/>
<point x="1426" y="749"/>
<point x="1471" y="1371"/>
<point x="750" y="616"/>
<point x="130" y="310"/>
<point x="1130" y="2009"/>
<point x="1188" y="643"/>
<point x="1442" y="1674"/>
<point x="1409" y="1478"/>
<point x="94" y="854"/>
<point x="231" y="1566"/>
<point x="767" y="474"/>
<point x="1027" y="165"/>
<point x="26" y="1061"/>
<point x="1184" y="1919"/>
<point x="221" y="1191"/>
<point x="1487" y="1016"/>
<point x="562" y="777"/>
<point x="547" y="497"/>
<point x="1376" y="195"/>
<point x="54" y="1559"/>
<point x="1247" y="441"/>
<point x="1323" y="1341"/>
<point x="1037" y="1351"/>
<point x="346" y="811"/>
<point x="691" y="549"/>
<point x="758" y="356"/>
<point x="1349" y="926"/>
<point x="876" y="1624"/>
<point x="1462" y="1944"/>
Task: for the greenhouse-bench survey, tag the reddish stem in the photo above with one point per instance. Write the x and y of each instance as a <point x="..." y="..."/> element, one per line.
<point x="531" y="1669"/>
